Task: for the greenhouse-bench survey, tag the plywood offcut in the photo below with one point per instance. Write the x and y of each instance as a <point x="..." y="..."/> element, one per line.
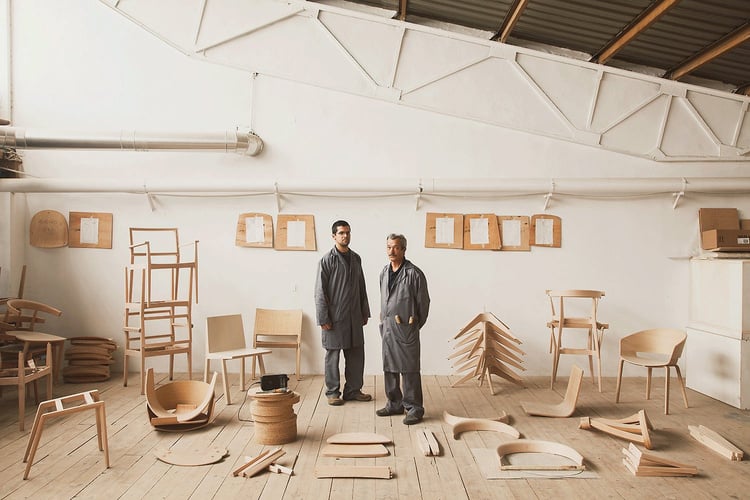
<point x="287" y="237"/>
<point x="514" y="233"/>
<point x="48" y="229"/>
<point x="254" y="230"/>
<point x="542" y="235"/>
<point x="444" y="230"/>
<point x="481" y="232"/>
<point x="90" y="230"/>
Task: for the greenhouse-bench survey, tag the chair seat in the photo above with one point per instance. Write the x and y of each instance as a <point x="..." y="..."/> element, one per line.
<point x="648" y="361"/>
<point x="237" y="353"/>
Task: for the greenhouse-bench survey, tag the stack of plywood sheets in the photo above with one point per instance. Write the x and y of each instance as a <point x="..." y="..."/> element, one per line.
<point x="89" y="359"/>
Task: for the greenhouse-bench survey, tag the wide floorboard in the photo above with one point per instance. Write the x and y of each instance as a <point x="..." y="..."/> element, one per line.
<point x="69" y="464"/>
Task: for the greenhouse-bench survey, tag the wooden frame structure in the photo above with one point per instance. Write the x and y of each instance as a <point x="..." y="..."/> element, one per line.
<point x="633" y="428"/>
<point x="566" y="407"/>
<point x="488" y="350"/>
<point x="561" y="321"/>
<point x="22" y="375"/>
<point x="53" y="408"/>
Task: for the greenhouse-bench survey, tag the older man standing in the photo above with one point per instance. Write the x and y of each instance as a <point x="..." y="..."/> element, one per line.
<point x="404" y="306"/>
<point x="342" y="310"/>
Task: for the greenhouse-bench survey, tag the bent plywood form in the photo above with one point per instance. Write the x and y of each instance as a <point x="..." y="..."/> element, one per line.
<point x="358" y="438"/>
<point x="463" y="424"/>
<point x="566" y="407"/>
<point x="535" y="446"/>
<point x="490" y="350"/>
<point x="191" y="458"/>
<point x="48" y="229"/>
<point x="180" y="402"/>
<point x="633" y="428"/>
<point x="647" y="464"/>
<point x="716" y="442"/>
<point x="354" y="450"/>
<point x="367" y="471"/>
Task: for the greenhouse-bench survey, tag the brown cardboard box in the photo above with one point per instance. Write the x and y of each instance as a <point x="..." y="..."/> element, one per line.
<point x="721" y="230"/>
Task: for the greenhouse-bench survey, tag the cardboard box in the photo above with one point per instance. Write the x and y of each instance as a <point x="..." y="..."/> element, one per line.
<point x="722" y="230"/>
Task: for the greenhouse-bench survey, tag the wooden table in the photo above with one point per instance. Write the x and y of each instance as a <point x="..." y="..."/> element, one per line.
<point x="58" y="345"/>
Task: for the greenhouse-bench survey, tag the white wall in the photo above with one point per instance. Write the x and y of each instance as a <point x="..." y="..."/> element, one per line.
<point x="81" y="66"/>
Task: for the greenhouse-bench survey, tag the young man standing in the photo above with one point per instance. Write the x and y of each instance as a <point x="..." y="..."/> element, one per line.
<point x="342" y="310"/>
<point x="404" y="306"/>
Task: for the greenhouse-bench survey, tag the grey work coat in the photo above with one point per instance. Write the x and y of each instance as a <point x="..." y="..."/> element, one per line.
<point x="402" y="313"/>
<point x="341" y="300"/>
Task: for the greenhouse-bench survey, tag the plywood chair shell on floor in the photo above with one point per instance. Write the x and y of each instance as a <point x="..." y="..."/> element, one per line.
<point x="181" y="405"/>
<point x="654" y="348"/>
<point x="566" y="407"/>
<point x="278" y="328"/>
<point x="225" y="340"/>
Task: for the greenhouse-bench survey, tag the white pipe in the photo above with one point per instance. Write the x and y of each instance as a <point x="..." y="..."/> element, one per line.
<point x="227" y="141"/>
<point x="510" y="186"/>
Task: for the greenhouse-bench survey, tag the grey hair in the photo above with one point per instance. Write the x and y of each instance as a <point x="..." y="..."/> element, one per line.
<point x="398" y="237"/>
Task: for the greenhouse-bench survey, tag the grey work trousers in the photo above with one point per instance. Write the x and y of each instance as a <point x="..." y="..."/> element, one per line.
<point x="410" y="398"/>
<point x="354" y="367"/>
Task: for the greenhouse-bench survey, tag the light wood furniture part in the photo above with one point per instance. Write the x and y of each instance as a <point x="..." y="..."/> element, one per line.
<point x="48" y="229"/>
<point x="259" y="463"/>
<point x="490" y="349"/>
<point x="641" y="463"/>
<point x="278" y="328"/>
<point x="566" y="407"/>
<point x="655" y="348"/>
<point x="634" y="428"/>
<point x="54" y="408"/>
<point x="716" y="442"/>
<point x="22" y="375"/>
<point x="576" y="310"/>
<point x="354" y="450"/>
<point x="25" y="315"/>
<point x="536" y="446"/>
<point x="464" y="424"/>
<point x="356" y="471"/>
<point x="225" y="341"/>
<point x="182" y="405"/>
<point x="191" y="458"/>
<point x="358" y="438"/>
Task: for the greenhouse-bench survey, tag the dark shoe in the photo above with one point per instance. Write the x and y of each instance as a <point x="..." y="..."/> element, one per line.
<point x="385" y="412"/>
<point x="412" y="419"/>
<point x="358" y="396"/>
<point x="334" y="401"/>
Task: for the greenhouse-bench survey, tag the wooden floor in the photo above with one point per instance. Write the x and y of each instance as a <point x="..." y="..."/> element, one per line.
<point x="69" y="464"/>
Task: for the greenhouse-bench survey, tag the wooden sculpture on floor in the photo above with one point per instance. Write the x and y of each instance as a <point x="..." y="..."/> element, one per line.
<point x="485" y="350"/>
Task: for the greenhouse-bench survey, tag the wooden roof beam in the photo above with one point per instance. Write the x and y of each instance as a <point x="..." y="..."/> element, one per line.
<point x="725" y="44"/>
<point x="402" y="7"/>
<point x="511" y="18"/>
<point x="645" y="19"/>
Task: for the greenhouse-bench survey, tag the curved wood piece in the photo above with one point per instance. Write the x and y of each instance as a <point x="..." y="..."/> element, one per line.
<point x="182" y="392"/>
<point x="463" y="424"/>
<point x="535" y="446"/>
<point x="190" y="458"/>
<point x="358" y="438"/>
<point x="566" y="407"/>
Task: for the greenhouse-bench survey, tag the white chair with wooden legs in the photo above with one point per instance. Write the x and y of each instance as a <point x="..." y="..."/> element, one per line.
<point x="278" y="328"/>
<point x="22" y="375"/>
<point x="225" y="340"/>
<point x="655" y="348"/>
<point x="576" y="310"/>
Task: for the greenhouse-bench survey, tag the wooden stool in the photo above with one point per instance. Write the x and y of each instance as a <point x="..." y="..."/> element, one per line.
<point x="88" y="400"/>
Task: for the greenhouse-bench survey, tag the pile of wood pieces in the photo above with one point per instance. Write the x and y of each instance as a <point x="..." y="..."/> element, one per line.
<point x="645" y="464"/>
<point x="274" y="417"/>
<point x="265" y="460"/>
<point x="355" y="445"/>
<point x="89" y="359"/>
<point x="716" y="442"/>
<point x="487" y="350"/>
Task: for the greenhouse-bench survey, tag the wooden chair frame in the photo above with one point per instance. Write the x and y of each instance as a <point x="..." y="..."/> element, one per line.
<point x="561" y="322"/>
<point x="282" y="323"/>
<point x="22" y="375"/>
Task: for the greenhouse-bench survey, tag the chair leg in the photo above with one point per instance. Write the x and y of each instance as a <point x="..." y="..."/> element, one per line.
<point x="666" y="390"/>
<point x="125" y="370"/>
<point x="555" y="360"/>
<point x="619" y="381"/>
<point x="143" y="374"/>
<point x="105" y="444"/>
<point x="682" y="385"/>
<point x="260" y="364"/>
<point x="190" y="364"/>
<point x="242" y="373"/>
<point x="33" y="444"/>
<point x="226" y="381"/>
<point x="648" y="384"/>
<point x="21" y="402"/>
<point x="205" y="370"/>
<point x="299" y="352"/>
<point x="252" y="367"/>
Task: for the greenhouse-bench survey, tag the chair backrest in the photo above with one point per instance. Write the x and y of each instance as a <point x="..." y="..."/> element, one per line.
<point x="224" y="333"/>
<point x="24" y="314"/>
<point x="668" y="342"/>
<point x="559" y="298"/>
<point x="278" y="322"/>
<point x="160" y="243"/>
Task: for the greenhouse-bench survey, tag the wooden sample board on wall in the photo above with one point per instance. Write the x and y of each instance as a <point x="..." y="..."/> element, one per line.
<point x="481" y="232"/>
<point x="444" y="231"/>
<point x="295" y="232"/>
<point x="48" y="229"/>
<point x="254" y="230"/>
<point x="546" y="231"/>
<point x="514" y="232"/>
<point x="90" y="230"/>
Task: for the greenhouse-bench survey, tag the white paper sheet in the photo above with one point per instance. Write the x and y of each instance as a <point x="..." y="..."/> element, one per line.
<point x="295" y="233"/>
<point x="480" y="231"/>
<point x="511" y="233"/>
<point x="254" y="229"/>
<point x="444" y="227"/>
<point x="90" y="230"/>
<point x="543" y="232"/>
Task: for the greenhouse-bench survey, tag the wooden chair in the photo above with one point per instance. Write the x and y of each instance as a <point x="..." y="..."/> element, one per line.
<point x="225" y="340"/>
<point x="655" y="348"/>
<point x="21" y="375"/>
<point x="25" y="315"/>
<point x="582" y="317"/>
<point x="280" y="328"/>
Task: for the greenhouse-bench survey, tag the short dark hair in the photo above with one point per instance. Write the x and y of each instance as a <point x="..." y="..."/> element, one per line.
<point x="398" y="237"/>
<point x="337" y="224"/>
